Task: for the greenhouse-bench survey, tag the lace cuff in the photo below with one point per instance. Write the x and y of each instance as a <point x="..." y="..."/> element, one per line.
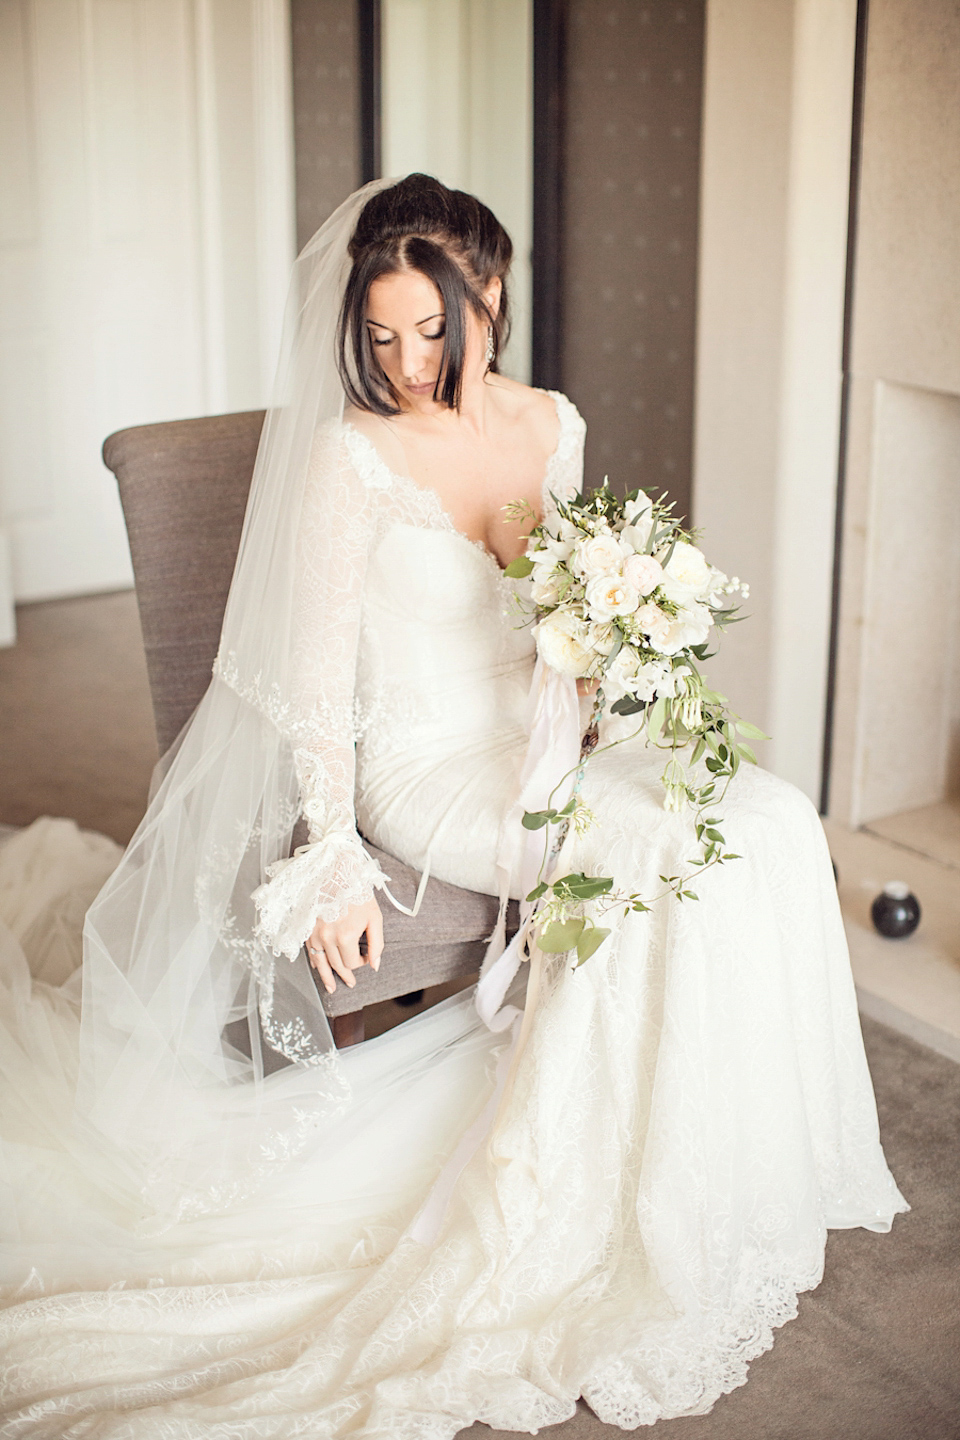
<point x="319" y="882"/>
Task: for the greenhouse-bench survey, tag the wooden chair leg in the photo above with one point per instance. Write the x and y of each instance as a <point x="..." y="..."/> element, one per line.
<point x="347" y="1029"/>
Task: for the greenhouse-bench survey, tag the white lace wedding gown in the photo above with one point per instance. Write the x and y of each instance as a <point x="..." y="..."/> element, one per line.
<point x="690" y="1112"/>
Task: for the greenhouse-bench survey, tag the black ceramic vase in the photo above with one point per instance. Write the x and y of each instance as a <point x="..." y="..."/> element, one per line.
<point x="896" y="911"/>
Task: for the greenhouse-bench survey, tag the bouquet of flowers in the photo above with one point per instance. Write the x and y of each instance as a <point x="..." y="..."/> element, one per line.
<point x="623" y="597"/>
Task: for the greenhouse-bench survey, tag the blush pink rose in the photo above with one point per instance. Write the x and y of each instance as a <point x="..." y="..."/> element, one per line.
<point x="643" y="572"/>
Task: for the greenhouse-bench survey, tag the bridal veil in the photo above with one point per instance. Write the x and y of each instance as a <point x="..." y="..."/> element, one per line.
<point x="168" y="1080"/>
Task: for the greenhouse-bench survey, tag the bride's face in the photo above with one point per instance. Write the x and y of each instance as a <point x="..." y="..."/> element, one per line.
<point x="405" y="319"/>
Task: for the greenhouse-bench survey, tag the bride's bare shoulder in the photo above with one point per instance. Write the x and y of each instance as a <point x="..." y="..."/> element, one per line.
<point x="534" y="409"/>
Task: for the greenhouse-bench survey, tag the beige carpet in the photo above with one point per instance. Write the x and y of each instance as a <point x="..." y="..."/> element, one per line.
<point x="875" y="1351"/>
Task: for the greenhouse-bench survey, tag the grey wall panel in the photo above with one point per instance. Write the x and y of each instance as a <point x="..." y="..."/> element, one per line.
<point x="630" y="180"/>
<point x="326" y="108"/>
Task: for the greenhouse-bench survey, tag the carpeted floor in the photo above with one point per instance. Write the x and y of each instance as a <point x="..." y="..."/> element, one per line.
<point x="75" y="715"/>
<point x="875" y="1351"/>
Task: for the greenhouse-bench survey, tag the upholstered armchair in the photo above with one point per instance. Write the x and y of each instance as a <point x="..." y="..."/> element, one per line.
<point x="183" y="487"/>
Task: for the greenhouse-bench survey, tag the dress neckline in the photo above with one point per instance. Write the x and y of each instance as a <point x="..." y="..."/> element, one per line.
<point x="565" y="409"/>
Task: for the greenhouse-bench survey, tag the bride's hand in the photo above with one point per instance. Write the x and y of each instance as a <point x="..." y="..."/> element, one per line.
<point x="334" y="946"/>
<point x="587" y="687"/>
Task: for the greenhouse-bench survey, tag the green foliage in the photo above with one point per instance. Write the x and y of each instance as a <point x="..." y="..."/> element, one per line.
<point x="590" y="939"/>
<point x="537" y="819"/>
<point x="520" y="568"/>
<point x="558" y="936"/>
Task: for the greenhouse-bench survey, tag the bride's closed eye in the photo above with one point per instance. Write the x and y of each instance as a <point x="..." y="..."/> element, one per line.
<point x="436" y="335"/>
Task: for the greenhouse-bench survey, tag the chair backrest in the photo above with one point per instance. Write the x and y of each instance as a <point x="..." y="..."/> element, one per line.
<point x="183" y="487"/>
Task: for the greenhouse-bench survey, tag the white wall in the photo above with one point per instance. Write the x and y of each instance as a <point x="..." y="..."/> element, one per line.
<point x="911" y="609"/>
<point x="458" y="104"/>
<point x="145" y="241"/>
<point x="897" y="728"/>
<point x="245" y="159"/>
<point x="774" y="192"/>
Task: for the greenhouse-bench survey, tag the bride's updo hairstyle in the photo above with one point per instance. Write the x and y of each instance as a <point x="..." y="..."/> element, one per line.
<point x="452" y="239"/>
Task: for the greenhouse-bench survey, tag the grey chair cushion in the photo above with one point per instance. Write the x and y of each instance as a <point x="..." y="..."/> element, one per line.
<point x="183" y="487"/>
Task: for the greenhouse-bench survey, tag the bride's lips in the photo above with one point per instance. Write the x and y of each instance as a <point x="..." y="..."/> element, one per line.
<point x="426" y="389"/>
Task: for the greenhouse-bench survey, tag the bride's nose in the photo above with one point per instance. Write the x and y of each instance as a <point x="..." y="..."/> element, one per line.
<point x="413" y="359"/>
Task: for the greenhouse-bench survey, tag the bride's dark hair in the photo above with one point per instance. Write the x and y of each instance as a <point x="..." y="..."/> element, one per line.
<point x="451" y="238"/>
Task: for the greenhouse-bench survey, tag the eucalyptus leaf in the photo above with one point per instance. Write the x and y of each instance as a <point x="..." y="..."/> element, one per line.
<point x="747" y="753"/>
<point x="590" y="888"/>
<point x="657" y="716"/>
<point x="518" y="569"/>
<point x="590" y="940"/>
<point x="537" y="891"/>
<point x="536" y="819"/>
<point x="560" y="936"/>
<point x="752" y="732"/>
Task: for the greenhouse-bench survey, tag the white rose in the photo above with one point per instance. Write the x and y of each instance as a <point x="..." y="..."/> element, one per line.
<point x="609" y="595"/>
<point x="562" y="641"/>
<point x="686" y="573"/>
<point x="643" y="572"/>
<point x="688" y="627"/>
<point x="600" y="555"/>
<point x="653" y="623"/>
<point x="600" y="638"/>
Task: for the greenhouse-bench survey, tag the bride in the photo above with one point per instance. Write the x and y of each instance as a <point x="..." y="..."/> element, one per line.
<point x="214" y="1224"/>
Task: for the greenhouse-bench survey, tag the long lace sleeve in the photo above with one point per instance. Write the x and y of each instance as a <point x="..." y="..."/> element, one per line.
<point x="332" y="871"/>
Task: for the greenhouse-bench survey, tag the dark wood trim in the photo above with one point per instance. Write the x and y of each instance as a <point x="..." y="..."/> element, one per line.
<point x="368" y="33"/>
<point x="549" y="54"/>
<point x="347" y="1029"/>
<point x="853" y="210"/>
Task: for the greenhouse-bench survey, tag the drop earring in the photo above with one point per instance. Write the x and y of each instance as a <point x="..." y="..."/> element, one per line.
<point x="491" y="352"/>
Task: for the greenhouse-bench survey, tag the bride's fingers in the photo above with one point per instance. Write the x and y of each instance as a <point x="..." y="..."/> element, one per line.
<point x="375" y="940"/>
<point x="350" y="951"/>
<point x="336" y="962"/>
<point x="319" y="962"/>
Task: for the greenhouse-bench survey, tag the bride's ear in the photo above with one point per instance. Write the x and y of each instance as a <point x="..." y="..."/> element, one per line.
<point x="491" y="296"/>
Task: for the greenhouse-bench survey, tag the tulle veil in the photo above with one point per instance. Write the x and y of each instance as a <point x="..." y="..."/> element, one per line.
<point x="187" y="1020"/>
